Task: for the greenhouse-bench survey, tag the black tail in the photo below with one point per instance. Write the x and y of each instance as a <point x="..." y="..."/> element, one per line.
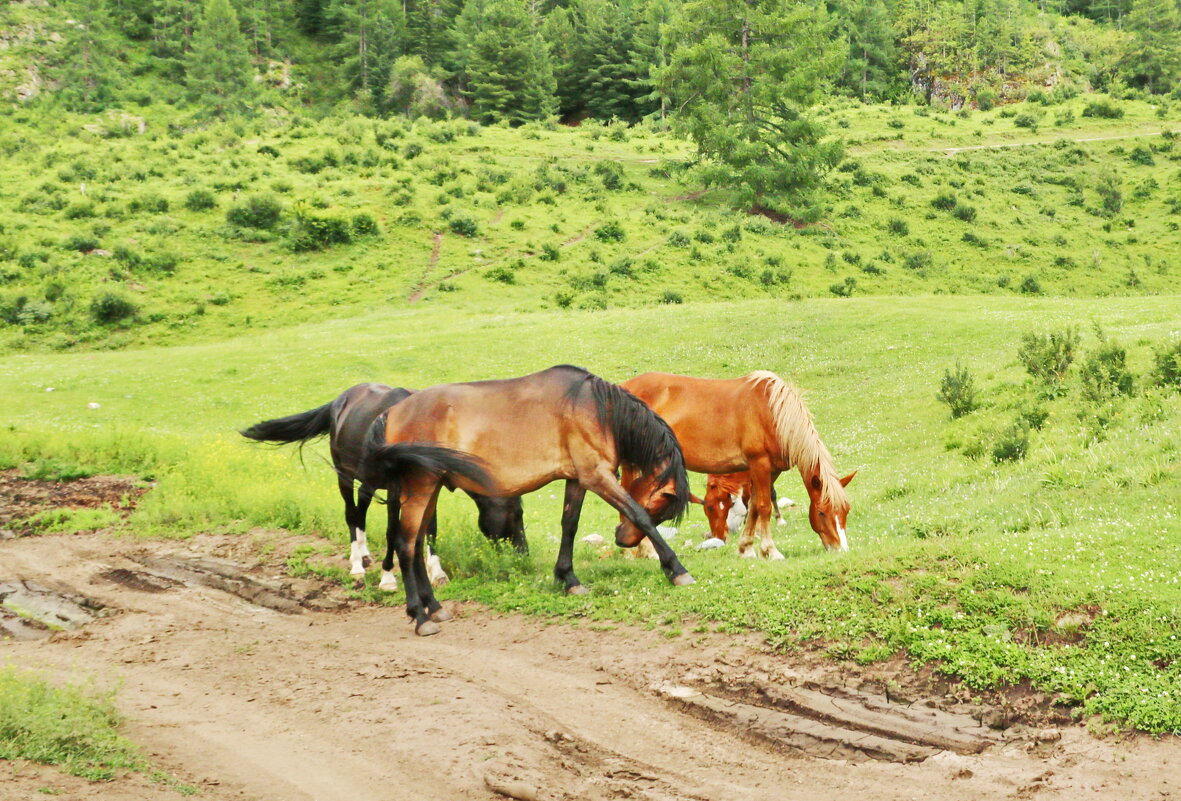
<point x="382" y="465"/>
<point x="642" y="437"/>
<point x="293" y="428"/>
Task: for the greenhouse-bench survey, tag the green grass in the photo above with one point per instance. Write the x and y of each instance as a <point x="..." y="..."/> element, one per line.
<point x="70" y="726"/>
<point x="1056" y="569"/>
<point x="493" y="219"/>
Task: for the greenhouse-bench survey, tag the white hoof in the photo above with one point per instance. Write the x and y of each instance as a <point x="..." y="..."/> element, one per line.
<point x="749" y="553"/>
<point x="785" y="502"/>
<point x="711" y="543"/>
<point x="782" y="522"/>
<point x="389" y="582"/>
<point x="435" y="572"/>
<point x="774" y="555"/>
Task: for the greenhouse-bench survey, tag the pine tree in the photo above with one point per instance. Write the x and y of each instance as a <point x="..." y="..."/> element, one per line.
<point x="87" y="68"/>
<point x="371" y="34"/>
<point x="172" y="33"/>
<point x="509" y="73"/>
<point x="429" y="29"/>
<point x="259" y="19"/>
<point x="219" y="71"/>
<point x="1154" y="59"/>
<point x="744" y="75"/>
<point x="871" y="68"/>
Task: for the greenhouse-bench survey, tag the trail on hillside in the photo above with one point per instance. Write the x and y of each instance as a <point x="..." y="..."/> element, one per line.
<point x="322" y="697"/>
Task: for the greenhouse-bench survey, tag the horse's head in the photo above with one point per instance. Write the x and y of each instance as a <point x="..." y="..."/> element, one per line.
<point x="827" y="511"/>
<point x="663" y="498"/>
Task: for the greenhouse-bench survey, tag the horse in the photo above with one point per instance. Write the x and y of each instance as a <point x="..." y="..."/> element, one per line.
<point x="509" y="437"/>
<point x="727" y="497"/>
<point x="347" y="421"/>
<point x="757" y="423"/>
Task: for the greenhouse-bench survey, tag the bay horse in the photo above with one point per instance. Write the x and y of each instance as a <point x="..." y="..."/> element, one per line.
<point x="757" y="423"/>
<point x="509" y="437"/>
<point x="347" y="421"/>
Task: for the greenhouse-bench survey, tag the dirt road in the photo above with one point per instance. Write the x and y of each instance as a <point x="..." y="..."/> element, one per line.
<point x="334" y="699"/>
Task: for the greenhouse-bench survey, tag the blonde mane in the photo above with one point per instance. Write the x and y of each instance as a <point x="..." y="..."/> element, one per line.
<point x="797" y="435"/>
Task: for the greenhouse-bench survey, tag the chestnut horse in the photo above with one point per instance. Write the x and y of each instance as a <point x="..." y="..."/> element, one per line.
<point x="506" y="438"/>
<point x="757" y="423"/>
<point x="721" y="491"/>
<point x="347" y="421"/>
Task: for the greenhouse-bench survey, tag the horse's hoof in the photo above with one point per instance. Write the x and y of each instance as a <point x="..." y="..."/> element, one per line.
<point x="683" y="580"/>
<point x="441" y="616"/>
<point x="427" y="628"/>
<point x="749" y="553"/>
<point x="577" y="589"/>
<point x="775" y="556"/>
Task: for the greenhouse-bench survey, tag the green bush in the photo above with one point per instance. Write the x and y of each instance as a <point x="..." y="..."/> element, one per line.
<point x="111" y="307"/>
<point x="986" y="99"/>
<point x="200" y="200"/>
<point x="257" y="211"/>
<point x="898" y="226"/>
<point x="1030" y="285"/>
<point x="610" y="232"/>
<point x="964" y="212"/>
<point x="671" y="297"/>
<point x="1103" y="109"/>
<point x="317" y="231"/>
<point x="945" y="201"/>
<point x="958" y="391"/>
<point x="364" y="225"/>
<point x="1167" y="365"/>
<point x="845" y="288"/>
<point x="464" y="226"/>
<point x="1104" y="373"/>
<point x="1025" y="121"/>
<point x="1048" y="356"/>
<point x="1013" y="443"/>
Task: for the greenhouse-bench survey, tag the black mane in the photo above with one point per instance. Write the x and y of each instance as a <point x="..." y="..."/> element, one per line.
<point x="642" y="438"/>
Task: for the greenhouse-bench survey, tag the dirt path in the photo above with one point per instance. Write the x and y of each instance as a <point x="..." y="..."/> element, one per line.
<point x="323" y="703"/>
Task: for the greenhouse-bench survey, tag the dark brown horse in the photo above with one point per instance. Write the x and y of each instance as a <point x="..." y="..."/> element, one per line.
<point x="757" y="423"/>
<point x="506" y="438"/>
<point x="347" y="421"/>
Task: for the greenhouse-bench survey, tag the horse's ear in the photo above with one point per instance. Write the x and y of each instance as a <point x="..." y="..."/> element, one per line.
<point x="845" y="481"/>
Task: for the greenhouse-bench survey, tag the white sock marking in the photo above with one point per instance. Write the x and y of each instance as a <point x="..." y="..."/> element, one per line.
<point x="389" y="582"/>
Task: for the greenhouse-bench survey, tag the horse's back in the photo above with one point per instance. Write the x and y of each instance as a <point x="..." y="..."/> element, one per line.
<point x="517" y="426"/>
<point x="718" y="421"/>
<point x="353" y="412"/>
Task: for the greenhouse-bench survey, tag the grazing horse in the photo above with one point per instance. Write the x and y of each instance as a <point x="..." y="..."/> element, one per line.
<point x="757" y="423"/>
<point x="506" y="438"/>
<point x="722" y="492"/>
<point x="347" y="421"/>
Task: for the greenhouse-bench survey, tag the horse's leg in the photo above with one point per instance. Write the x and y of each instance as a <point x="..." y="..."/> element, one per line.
<point x="389" y="581"/>
<point x="760" y="507"/>
<point x="364" y="497"/>
<point x="422" y="572"/>
<point x="602" y="482"/>
<point x="775" y="510"/>
<point x="746" y="539"/>
<point x="357" y="563"/>
<point x="411" y="531"/>
<point x="717" y="509"/>
<point x="571" y="511"/>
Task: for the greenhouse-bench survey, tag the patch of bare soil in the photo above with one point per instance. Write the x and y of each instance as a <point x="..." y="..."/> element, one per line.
<point x="318" y="697"/>
<point x="22" y="498"/>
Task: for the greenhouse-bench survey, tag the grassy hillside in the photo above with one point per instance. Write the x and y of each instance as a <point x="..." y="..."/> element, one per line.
<point x="1058" y="568"/>
<point x="112" y="237"/>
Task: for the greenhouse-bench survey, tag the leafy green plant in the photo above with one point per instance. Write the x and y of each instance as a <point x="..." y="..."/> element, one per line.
<point x="1104" y="372"/>
<point x="958" y="390"/>
<point x="1013" y="442"/>
<point x="1048" y="356"/>
<point x="112" y="307"/>
<point x="1167" y="365"/>
<point x="257" y="211"/>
